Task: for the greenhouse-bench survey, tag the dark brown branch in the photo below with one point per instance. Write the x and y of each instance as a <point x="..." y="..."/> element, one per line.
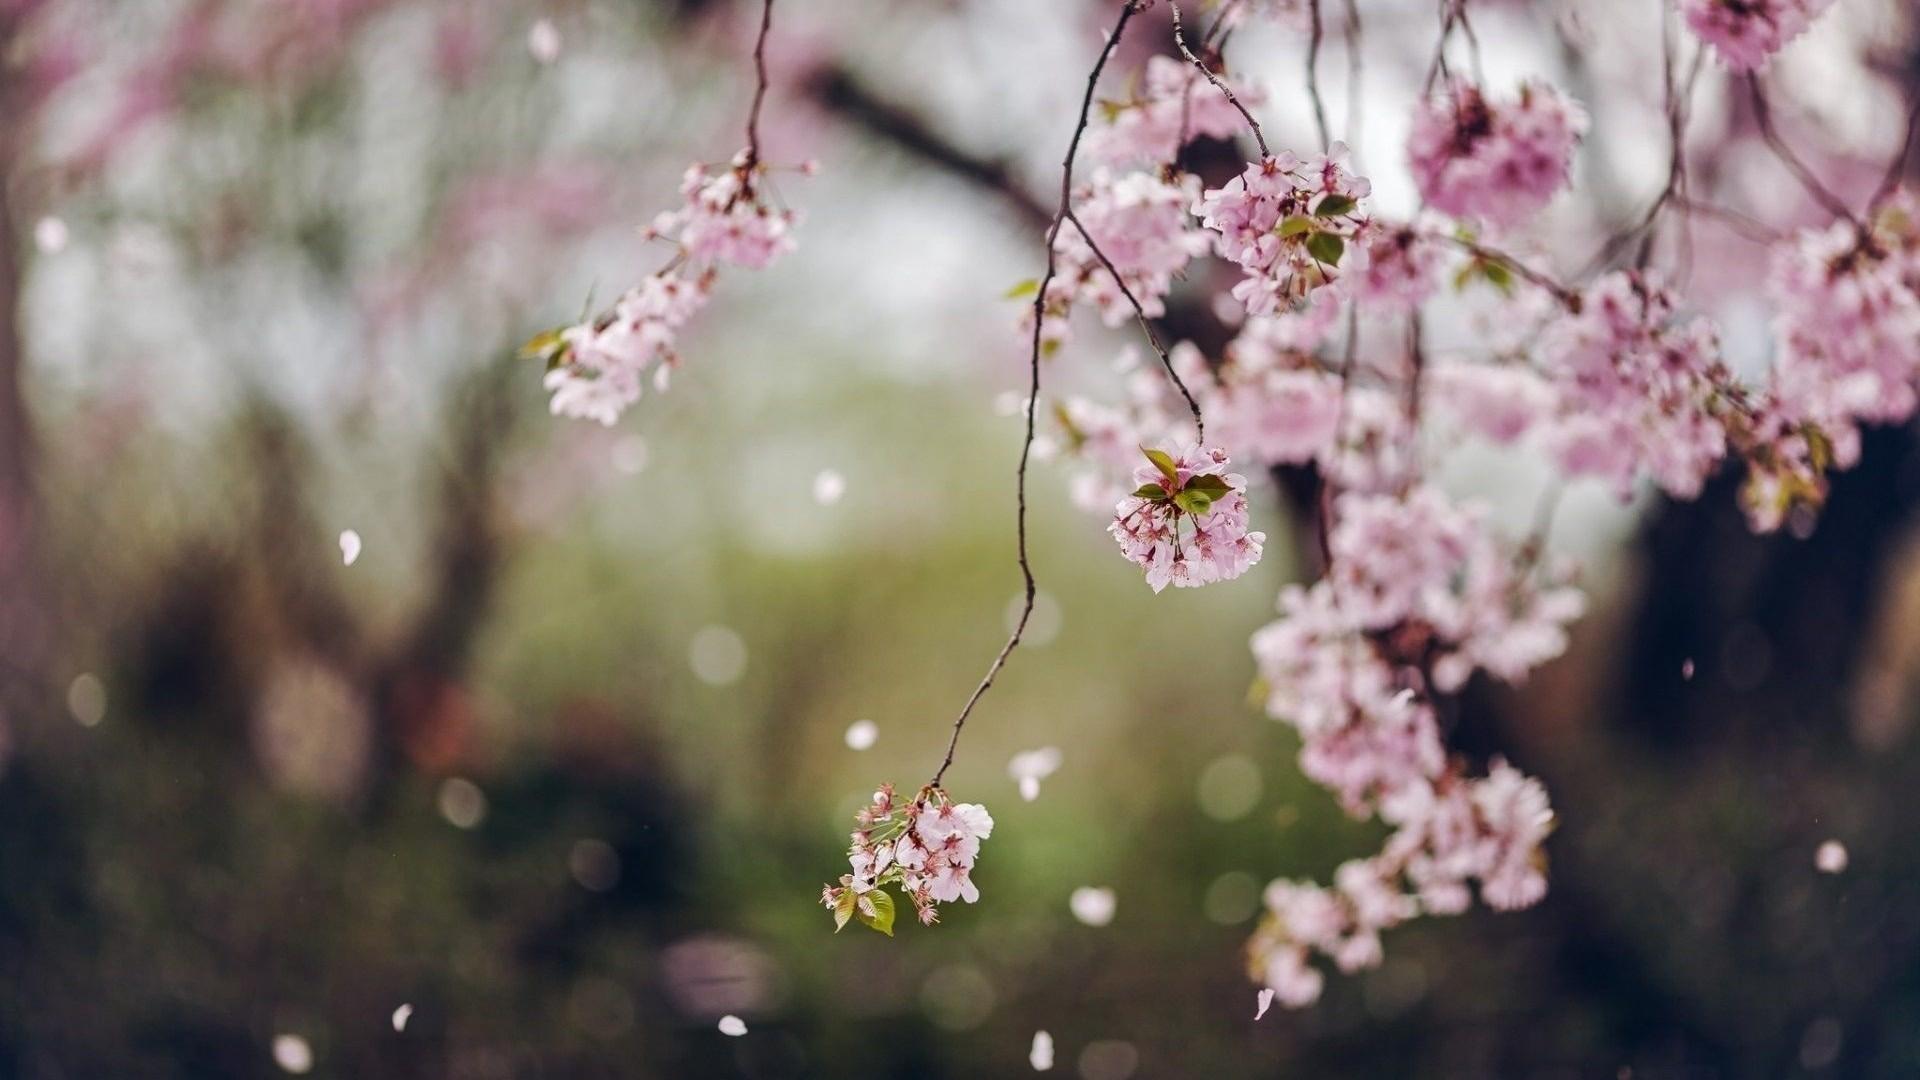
<point x="1146" y="325"/>
<point x="1314" y="36"/>
<point x="760" y="85"/>
<point x="1763" y="117"/>
<point x="1128" y="9"/>
<point x="1897" y="168"/>
<point x="1180" y="39"/>
<point x="842" y="93"/>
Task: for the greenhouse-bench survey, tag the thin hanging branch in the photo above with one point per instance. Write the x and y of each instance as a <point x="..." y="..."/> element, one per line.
<point x="1180" y="39"/>
<point x="1146" y="325"/>
<point x="1128" y="9"/>
<point x="1314" y="36"/>
<point x="1763" y="116"/>
<point x="760" y="85"/>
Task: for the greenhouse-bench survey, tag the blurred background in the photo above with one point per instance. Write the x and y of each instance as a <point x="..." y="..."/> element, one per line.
<point x="560" y="761"/>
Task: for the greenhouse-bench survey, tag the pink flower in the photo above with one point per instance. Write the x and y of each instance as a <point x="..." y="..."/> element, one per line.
<point x="1639" y="390"/>
<point x="1140" y="222"/>
<point x="597" y="368"/>
<point x="1174" y="98"/>
<point x="1186" y="524"/>
<point x="1499" y="161"/>
<point x="1746" y="33"/>
<point x="1291" y="226"/>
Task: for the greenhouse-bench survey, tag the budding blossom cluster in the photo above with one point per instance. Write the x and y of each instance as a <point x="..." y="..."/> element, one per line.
<point x="598" y="368"/>
<point x="1746" y="33"/>
<point x="925" y="848"/>
<point x="1186" y="524"/>
<point x="1421" y="595"/>
<point x="1493" y="160"/>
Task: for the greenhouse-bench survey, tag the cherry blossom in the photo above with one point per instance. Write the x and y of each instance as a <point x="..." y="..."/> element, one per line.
<point x="1186" y="524"/>
<point x="925" y="848"/>
<point x="1290" y="225"/>
<point x="1640" y="390"/>
<point x="1174" y="104"/>
<point x="1494" y="160"/>
<point x="1746" y="33"/>
<point x="598" y="368"/>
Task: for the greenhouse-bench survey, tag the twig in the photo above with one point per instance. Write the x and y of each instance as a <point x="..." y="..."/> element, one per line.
<point x="1560" y="292"/>
<point x="1128" y="9"/>
<point x="760" y="85"/>
<point x="1763" y="116"/>
<point x="1897" y="168"/>
<point x="1313" y="74"/>
<point x="1180" y="39"/>
<point x="1355" y="85"/>
<point x="1153" y="337"/>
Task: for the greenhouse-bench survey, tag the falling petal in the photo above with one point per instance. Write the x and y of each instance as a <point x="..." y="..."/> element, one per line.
<point x="1264" y="1002"/>
<point x="1831" y="858"/>
<point x="828" y="486"/>
<point x="543" y="41"/>
<point x="1041" y="1056"/>
<point x="862" y="734"/>
<point x="400" y="1017"/>
<point x="349" y="546"/>
<point x="732" y="1025"/>
<point x="1093" y="906"/>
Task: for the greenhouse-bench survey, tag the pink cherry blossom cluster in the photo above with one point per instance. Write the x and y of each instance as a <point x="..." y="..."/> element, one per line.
<point x="1290" y="225"/>
<point x="925" y="848"/>
<point x="1497" y="161"/>
<point x="1186" y="524"/>
<point x="1638" y="389"/>
<point x="1447" y="835"/>
<point x="1746" y="33"/>
<point x="1401" y="269"/>
<point x="1420" y="596"/>
<point x="1139" y="221"/>
<point x="1173" y="105"/>
<point x="598" y="368"/>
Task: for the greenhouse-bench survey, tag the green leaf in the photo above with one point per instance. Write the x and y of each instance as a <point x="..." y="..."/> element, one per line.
<point x="882" y="917"/>
<point x="1333" y="206"/>
<point x="1294" y="226"/>
<point x="1024" y="288"/>
<point x="1326" y="247"/>
<point x="543" y="346"/>
<point x="1193" y="502"/>
<point x="1151" y="491"/>
<point x="1213" y="486"/>
<point x="1499" y="276"/>
<point x="1164" y="462"/>
<point x="843" y="909"/>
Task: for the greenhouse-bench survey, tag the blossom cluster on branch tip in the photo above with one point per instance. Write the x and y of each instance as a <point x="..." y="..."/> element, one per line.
<point x="1448" y="835"/>
<point x="1746" y="33"/>
<point x="925" y="848"/>
<point x="1846" y="304"/>
<point x="599" y="367"/>
<point x="1497" y="160"/>
<point x="1289" y="225"/>
<point x="1186" y="524"/>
